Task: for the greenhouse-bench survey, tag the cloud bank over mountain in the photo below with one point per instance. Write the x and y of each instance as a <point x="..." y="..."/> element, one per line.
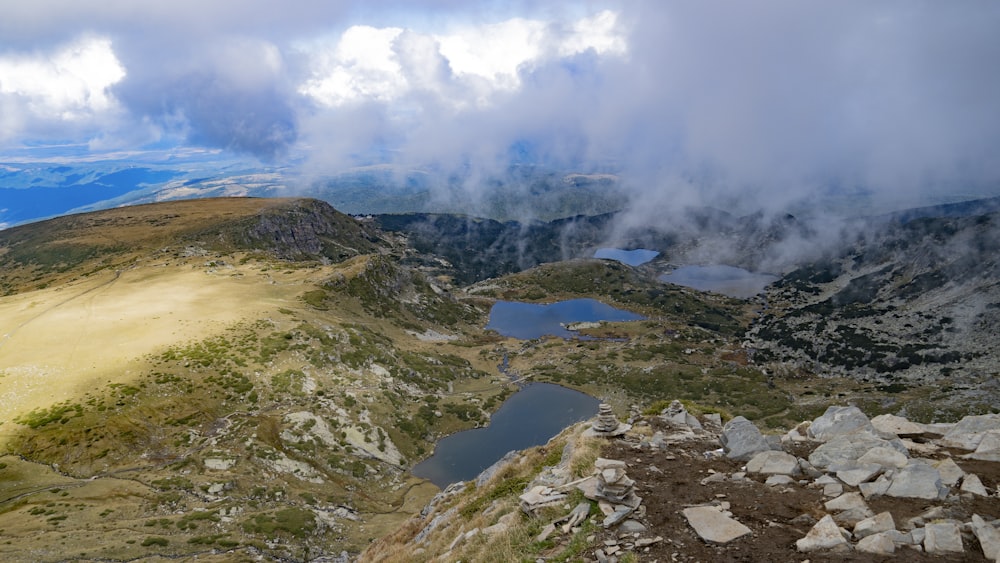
<point x="733" y="104"/>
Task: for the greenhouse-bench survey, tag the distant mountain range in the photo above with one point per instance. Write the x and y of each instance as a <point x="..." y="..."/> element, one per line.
<point x="39" y="187"/>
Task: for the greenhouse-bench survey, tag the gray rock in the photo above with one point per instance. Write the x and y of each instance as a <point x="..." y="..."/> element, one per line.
<point x="713" y="526"/>
<point x="943" y="537"/>
<point x="937" y="429"/>
<point x="902" y="538"/>
<point x="989" y="448"/>
<point x="886" y="457"/>
<point x="492" y="470"/>
<point x="880" y="544"/>
<point x="621" y="512"/>
<point x="741" y="439"/>
<point x="876" y="488"/>
<point x="892" y="424"/>
<point x="631" y="527"/>
<point x="973" y="485"/>
<point x="779" y="480"/>
<point x="503" y="524"/>
<point x="842" y="449"/>
<point x="540" y="496"/>
<point x="773" y="463"/>
<point x="969" y="432"/>
<point x="839" y="421"/>
<point x="917" y="480"/>
<point x="988" y="535"/>
<point x="851" y="517"/>
<point x="547" y="531"/>
<point x="824" y="535"/>
<point x="950" y="472"/>
<point x="833" y="490"/>
<point x="824" y="480"/>
<point x="854" y="473"/>
<point x="846" y="501"/>
<point x="881" y="522"/>
<point x="808" y="470"/>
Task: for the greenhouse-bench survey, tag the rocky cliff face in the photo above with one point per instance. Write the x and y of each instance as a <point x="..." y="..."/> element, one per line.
<point x="911" y="303"/>
<point x="300" y="230"/>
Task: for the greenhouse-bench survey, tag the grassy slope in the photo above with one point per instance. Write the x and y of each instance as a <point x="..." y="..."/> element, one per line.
<point x="235" y="397"/>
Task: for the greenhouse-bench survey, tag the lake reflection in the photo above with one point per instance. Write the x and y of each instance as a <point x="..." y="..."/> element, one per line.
<point x="530" y="417"/>
<point x="727" y="280"/>
<point x="533" y="320"/>
<point x="635" y="257"/>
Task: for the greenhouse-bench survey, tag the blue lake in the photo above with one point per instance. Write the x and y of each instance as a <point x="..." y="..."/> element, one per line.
<point x="727" y="280"/>
<point x="532" y="320"/>
<point x="635" y="257"/>
<point x="530" y="417"/>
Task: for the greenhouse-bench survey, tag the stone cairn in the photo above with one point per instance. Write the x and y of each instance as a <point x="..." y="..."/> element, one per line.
<point x="606" y="424"/>
<point x="613" y="489"/>
<point x="613" y="485"/>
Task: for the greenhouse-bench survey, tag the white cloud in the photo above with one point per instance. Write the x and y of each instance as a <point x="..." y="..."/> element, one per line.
<point x="361" y="66"/>
<point x="69" y="83"/>
<point x="368" y="64"/>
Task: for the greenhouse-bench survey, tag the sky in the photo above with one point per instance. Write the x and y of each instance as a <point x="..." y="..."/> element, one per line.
<point x="730" y="103"/>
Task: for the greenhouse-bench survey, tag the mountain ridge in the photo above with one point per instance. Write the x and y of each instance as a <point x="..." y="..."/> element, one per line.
<point x="262" y="373"/>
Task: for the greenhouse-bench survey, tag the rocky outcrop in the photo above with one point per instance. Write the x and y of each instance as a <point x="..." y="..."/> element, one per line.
<point x="909" y="304"/>
<point x="299" y="229"/>
<point x="836" y="485"/>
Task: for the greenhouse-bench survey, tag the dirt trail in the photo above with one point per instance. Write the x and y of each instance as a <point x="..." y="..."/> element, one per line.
<point x="7" y="336"/>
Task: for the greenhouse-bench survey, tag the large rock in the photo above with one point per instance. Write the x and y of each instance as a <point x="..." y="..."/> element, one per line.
<point x="988" y="448"/>
<point x="850" y="448"/>
<point x="741" y="439"/>
<point x="892" y="424"/>
<point x="972" y="484"/>
<point x="853" y="473"/>
<point x="968" y="432"/>
<point x="839" y="421"/>
<point x="950" y="472"/>
<point x="879" y="544"/>
<point x="917" y="480"/>
<point x="989" y="537"/>
<point x="773" y="463"/>
<point x="846" y="501"/>
<point x="944" y="537"/>
<point x="886" y="457"/>
<point x="875" y="488"/>
<point x="825" y="534"/>
<point x="713" y="526"/>
<point x="881" y="522"/>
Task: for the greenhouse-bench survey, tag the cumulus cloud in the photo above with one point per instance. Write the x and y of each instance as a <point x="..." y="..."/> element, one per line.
<point x="65" y="86"/>
<point x="778" y="102"/>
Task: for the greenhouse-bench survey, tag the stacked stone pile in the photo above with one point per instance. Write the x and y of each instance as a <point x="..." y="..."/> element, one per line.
<point x="607" y="424"/>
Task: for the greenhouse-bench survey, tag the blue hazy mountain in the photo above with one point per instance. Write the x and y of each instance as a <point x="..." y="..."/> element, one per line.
<point x="42" y="182"/>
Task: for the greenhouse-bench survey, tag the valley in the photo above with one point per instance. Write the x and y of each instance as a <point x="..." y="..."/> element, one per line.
<point x="235" y="379"/>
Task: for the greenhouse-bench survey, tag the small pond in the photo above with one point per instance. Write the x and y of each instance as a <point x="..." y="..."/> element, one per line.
<point x="719" y="278"/>
<point x="636" y="257"/>
<point x="530" y="417"/>
<point x="533" y="320"/>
